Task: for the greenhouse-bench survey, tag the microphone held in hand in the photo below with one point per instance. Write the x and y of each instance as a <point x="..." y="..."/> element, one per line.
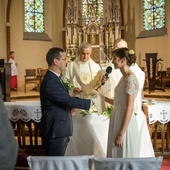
<point x="108" y="71"/>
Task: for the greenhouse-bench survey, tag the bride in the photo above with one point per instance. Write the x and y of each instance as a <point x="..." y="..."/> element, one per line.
<point x="128" y="132"/>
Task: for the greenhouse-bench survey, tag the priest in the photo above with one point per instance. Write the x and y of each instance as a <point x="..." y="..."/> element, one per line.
<point x="85" y="75"/>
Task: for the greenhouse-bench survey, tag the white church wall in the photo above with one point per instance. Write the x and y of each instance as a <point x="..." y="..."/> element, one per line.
<point x="31" y="54"/>
<point x="133" y="26"/>
<point x="28" y="53"/>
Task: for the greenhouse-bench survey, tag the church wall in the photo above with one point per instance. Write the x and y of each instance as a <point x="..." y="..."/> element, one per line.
<point x="133" y="26"/>
<point x="32" y="53"/>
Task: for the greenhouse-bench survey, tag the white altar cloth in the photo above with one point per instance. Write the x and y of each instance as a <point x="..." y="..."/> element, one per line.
<point x="90" y="135"/>
<point x="90" y="132"/>
<point x="160" y="111"/>
<point x="24" y="110"/>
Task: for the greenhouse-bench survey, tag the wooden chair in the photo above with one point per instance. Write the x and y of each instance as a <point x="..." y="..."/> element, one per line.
<point x="166" y="78"/>
<point x="42" y="72"/>
<point x="31" y="78"/>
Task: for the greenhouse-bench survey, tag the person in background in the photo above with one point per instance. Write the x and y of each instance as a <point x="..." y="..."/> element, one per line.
<point x="14" y="71"/>
<point x="57" y="105"/>
<point x="128" y="135"/>
<point x="85" y="75"/>
<point x="8" y="144"/>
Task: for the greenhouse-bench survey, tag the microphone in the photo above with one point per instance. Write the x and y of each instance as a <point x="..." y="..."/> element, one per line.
<point x="108" y="71"/>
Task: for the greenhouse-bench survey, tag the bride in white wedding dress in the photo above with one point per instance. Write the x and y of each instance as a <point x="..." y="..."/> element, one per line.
<point x="128" y="132"/>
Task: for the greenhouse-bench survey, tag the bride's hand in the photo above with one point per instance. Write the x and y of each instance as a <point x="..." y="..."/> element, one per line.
<point x="72" y="111"/>
<point x="119" y="141"/>
<point x="104" y="79"/>
<point x="77" y="90"/>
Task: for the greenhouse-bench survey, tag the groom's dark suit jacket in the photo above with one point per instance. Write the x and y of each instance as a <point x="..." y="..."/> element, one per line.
<point x="56" y="103"/>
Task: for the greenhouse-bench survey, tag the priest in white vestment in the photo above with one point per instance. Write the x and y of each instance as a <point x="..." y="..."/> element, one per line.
<point x="85" y="75"/>
<point x="108" y="88"/>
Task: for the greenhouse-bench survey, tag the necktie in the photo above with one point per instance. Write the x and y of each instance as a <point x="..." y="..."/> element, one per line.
<point x="62" y="82"/>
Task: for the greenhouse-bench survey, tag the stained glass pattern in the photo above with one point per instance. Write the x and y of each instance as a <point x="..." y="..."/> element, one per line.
<point x="34" y="16"/>
<point x="87" y="9"/>
<point x="153" y="14"/>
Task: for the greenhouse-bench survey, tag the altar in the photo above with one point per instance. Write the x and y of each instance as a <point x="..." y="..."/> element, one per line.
<point x="158" y="114"/>
<point x="90" y="132"/>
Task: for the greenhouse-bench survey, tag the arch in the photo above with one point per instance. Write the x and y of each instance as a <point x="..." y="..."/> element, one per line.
<point x="92" y="27"/>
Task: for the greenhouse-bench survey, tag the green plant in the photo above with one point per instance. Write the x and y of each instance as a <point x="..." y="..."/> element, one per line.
<point x="108" y="111"/>
<point x="68" y="85"/>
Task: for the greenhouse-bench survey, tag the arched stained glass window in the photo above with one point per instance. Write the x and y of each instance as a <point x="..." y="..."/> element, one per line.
<point x="87" y="9"/>
<point x="34" y="16"/>
<point x="153" y="14"/>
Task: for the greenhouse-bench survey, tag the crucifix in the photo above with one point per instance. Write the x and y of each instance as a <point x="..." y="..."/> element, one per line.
<point x="163" y="113"/>
<point x="38" y="113"/>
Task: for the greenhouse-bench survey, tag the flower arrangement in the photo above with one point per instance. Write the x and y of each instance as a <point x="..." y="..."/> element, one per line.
<point x="131" y="52"/>
<point x="73" y="58"/>
<point x="108" y="111"/>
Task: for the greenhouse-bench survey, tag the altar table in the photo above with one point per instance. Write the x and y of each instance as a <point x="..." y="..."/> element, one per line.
<point x="158" y="113"/>
<point x="90" y="132"/>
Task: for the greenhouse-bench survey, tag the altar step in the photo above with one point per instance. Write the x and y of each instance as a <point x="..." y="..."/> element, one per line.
<point x="20" y="95"/>
<point x="34" y="95"/>
<point x="157" y="94"/>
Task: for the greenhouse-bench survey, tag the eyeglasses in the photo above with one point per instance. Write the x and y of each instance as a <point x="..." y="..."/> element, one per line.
<point x="64" y="59"/>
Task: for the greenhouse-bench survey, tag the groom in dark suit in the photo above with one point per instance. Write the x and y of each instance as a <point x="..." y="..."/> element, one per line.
<point x="57" y="105"/>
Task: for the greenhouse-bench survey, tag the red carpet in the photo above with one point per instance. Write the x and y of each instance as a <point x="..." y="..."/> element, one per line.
<point x="165" y="164"/>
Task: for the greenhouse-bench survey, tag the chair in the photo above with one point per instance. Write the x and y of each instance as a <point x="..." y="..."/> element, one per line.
<point x="41" y="73"/>
<point x="31" y="78"/>
<point x="153" y="163"/>
<point x="166" y="78"/>
<point x="60" y="162"/>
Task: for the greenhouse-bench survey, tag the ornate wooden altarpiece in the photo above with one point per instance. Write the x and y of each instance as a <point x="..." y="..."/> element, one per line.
<point x="100" y="33"/>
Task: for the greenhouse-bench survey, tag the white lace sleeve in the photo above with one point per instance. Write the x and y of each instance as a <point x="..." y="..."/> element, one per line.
<point x="131" y="84"/>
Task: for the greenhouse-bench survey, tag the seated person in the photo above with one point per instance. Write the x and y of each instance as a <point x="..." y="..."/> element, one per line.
<point x="85" y="76"/>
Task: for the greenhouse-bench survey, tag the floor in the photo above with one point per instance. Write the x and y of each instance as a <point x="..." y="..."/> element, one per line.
<point x="20" y="95"/>
<point x="158" y="94"/>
